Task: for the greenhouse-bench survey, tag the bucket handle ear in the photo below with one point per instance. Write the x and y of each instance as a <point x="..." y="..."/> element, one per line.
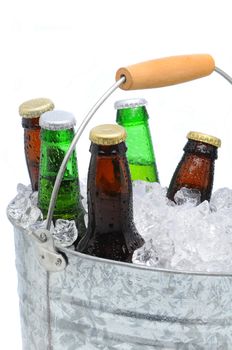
<point x="150" y="74"/>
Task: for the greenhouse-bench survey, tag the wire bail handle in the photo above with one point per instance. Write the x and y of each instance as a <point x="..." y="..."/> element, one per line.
<point x="150" y="74"/>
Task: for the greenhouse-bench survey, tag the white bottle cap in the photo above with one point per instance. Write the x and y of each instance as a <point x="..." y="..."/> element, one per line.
<point x="130" y="103"/>
<point x="57" y="120"/>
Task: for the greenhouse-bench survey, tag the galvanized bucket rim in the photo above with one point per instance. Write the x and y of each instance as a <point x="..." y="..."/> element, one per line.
<point x="95" y="259"/>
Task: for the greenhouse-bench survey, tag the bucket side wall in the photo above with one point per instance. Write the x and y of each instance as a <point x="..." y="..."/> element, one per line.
<point x="115" y="304"/>
<point x="32" y="291"/>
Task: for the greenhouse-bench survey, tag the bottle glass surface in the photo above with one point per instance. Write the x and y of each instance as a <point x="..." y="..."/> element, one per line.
<point x="196" y="168"/>
<point x="57" y="133"/>
<point x="132" y="115"/>
<point x="32" y="149"/>
<point x="111" y="231"/>
<point x="30" y="112"/>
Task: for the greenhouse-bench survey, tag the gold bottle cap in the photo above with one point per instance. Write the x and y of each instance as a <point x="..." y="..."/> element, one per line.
<point x="107" y="134"/>
<point x="198" y="136"/>
<point x="35" y="107"/>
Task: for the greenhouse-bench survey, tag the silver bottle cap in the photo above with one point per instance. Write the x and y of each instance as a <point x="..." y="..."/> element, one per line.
<point x="130" y="103"/>
<point x="57" y="120"/>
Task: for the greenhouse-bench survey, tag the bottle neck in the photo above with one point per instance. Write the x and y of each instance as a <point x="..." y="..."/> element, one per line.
<point x="132" y="116"/>
<point x="54" y="146"/>
<point x="201" y="148"/>
<point x="62" y="136"/>
<point x="30" y="123"/>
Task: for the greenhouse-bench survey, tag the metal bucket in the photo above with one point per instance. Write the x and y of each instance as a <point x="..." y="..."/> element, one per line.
<point x="101" y="304"/>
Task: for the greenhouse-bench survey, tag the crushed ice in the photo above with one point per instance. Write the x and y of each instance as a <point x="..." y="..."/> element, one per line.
<point x="188" y="236"/>
<point x="23" y="211"/>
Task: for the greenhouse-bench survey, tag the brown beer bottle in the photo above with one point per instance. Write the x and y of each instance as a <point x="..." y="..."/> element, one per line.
<point x="30" y="112"/>
<point x="196" y="168"/>
<point x="111" y="232"/>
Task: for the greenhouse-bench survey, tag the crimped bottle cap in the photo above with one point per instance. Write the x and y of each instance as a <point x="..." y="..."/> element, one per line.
<point x="130" y="103"/>
<point x="35" y="107"/>
<point x="57" y="120"/>
<point x="199" y="136"/>
<point x="107" y="134"/>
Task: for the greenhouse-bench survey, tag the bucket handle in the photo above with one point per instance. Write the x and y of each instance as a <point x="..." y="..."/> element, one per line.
<point x="150" y="74"/>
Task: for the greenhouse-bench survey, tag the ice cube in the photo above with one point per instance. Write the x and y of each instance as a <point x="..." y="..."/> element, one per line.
<point x="146" y="255"/>
<point x="17" y="207"/>
<point x="22" y="209"/>
<point x="187" y="196"/>
<point x="25" y="191"/>
<point x="65" y="232"/>
<point x="34" y="198"/>
<point x="221" y="199"/>
<point x="30" y="216"/>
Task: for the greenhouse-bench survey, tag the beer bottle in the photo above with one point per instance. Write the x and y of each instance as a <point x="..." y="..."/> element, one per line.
<point x="57" y="133"/>
<point x="111" y="232"/>
<point x="196" y="168"/>
<point x="30" y="112"/>
<point x="132" y="115"/>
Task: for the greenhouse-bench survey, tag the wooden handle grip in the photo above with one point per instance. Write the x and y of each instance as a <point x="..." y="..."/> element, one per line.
<point x="166" y="71"/>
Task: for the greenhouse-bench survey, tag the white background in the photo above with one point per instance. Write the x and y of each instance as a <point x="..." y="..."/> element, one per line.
<point x="69" y="51"/>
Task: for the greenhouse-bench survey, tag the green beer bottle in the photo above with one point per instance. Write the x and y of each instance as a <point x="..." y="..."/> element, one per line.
<point x="57" y="133"/>
<point x="133" y="116"/>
